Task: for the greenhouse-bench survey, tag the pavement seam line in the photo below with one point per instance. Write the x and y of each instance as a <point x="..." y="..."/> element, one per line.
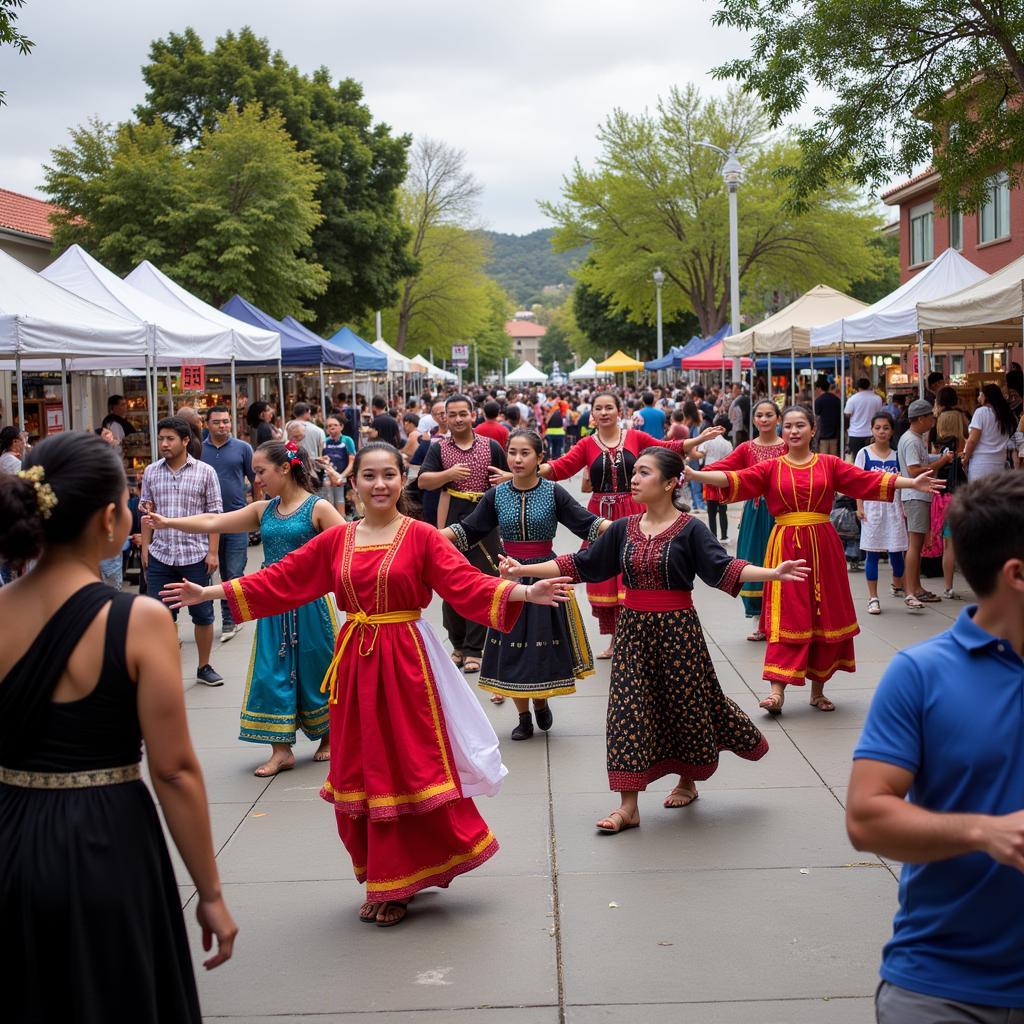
<point x="555" y="903"/>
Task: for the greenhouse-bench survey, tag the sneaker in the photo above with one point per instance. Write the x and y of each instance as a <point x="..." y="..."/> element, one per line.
<point x="950" y="594"/>
<point x="897" y="591"/>
<point x="228" y="631"/>
<point x="208" y="677"/>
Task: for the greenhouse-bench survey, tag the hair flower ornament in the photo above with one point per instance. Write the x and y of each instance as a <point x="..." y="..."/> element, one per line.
<point x="46" y="500"/>
<point x="292" y="447"/>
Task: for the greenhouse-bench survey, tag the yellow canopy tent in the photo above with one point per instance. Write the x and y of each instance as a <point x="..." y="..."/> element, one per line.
<point x="619" y="362"/>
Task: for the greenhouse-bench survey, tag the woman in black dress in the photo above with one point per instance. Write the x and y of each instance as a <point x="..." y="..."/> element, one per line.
<point x="87" y="892"/>
<point x="667" y="714"/>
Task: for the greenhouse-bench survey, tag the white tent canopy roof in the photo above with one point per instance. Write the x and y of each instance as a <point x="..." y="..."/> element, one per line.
<point x="790" y="327"/>
<point x="176" y="335"/>
<point x="894" y="318"/>
<point x="998" y="299"/>
<point x="41" y="319"/>
<point x="588" y="371"/>
<point x="397" y="363"/>
<point x="526" y="374"/>
<point x="433" y="371"/>
<point x="250" y="344"/>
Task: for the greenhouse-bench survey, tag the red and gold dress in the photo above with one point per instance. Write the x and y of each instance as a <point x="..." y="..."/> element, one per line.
<point x="810" y="625"/>
<point x="410" y="743"/>
<point x="611" y="470"/>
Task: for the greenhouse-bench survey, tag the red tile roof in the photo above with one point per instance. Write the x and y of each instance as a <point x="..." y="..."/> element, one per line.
<point x="26" y="214"/>
<point x="926" y="173"/>
<point x="524" y="329"/>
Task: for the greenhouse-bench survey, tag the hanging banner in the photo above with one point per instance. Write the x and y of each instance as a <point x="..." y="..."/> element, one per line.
<point x="460" y="356"/>
<point x="193" y="377"/>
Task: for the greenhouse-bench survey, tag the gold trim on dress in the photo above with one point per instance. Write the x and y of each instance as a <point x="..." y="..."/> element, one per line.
<point x="71" y="780"/>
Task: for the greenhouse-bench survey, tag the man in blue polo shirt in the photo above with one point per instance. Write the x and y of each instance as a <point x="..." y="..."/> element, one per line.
<point x="652" y="419"/>
<point x="231" y="460"/>
<point x="938" y="783"/>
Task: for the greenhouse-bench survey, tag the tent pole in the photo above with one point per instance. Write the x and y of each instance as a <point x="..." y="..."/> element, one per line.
<point x="323" y="391"/>
<point x="792" y="374"/>
<point x="233" y="403"/>
<point x="280" y="386"/>
<point x="151" y="404"/>
<point x="170" y="394"/>
<point x="21" y="392"/>
<point x="771" y="390"/>
<point x="842" y="396"/>
<point x="920" y="364"/>
<point x="64" y="393"/>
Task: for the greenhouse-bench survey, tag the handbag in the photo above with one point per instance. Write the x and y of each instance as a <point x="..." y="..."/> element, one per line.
<point x="846" y="523"/>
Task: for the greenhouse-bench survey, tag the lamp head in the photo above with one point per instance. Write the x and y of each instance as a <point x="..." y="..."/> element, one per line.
<point x="659" y="276"/>
<point x="732" y="171"/>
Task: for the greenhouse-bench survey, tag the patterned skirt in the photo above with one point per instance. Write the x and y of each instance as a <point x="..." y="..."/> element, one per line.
<point x="666" y="710"/>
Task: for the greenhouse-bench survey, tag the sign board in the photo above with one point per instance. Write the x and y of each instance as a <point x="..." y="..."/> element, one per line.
<point x="54" y="419"/>
<point x="460" y="355"/>
<point x="193" y="377"/>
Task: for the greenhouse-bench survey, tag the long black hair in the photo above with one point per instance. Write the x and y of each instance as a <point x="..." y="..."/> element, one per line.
<point x="387" y="429"/>
<point x="84" y="475"/>
<point x="279" y="454"/>
<point x="1000" y="407"/>
<point x="670" y="465"/>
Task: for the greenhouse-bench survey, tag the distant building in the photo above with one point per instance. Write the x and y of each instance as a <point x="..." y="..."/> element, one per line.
<point x="25" y="230"/>
<point x="525" y="337"/>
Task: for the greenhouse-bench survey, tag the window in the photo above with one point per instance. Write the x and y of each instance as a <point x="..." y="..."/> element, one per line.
<point x="956" y="368"/>
<point x="994" y="216"/>
<point x="922" y="235"/>
<point x="956" y="231"/>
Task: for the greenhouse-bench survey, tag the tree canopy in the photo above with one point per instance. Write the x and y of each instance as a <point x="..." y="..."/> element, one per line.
<point x="909" y="81"/>
<point x="656" y="198"/>
<point x="360" y="240"/>
<point x="233" y="213"/>
<point x="10" y="34"/>
<point x="525" y="264"/>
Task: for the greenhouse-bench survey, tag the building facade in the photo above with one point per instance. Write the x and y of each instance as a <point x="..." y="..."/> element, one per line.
<point x="25" y="229"/>
<point x="526" y="337"/>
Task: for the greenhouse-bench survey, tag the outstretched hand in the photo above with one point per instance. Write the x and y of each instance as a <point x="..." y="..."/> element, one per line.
<point x="550" y="592"/>
<point x="709" y="432"/>
<point x="497" y="476"/>
<point x="688" y="470"/>
<point x="509" y="568"/>
<point x="928" y="483"/>
<point x="795" y="571"/>
<point x="181" y="595"/>
<point x="155" y="521"/>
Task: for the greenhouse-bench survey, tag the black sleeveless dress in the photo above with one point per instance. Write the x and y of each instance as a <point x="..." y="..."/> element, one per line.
<point x="90" y="918"/>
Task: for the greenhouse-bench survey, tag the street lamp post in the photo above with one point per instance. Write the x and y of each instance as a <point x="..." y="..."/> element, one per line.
<point x="659" y="280"/>
<point x="732" y="173"/>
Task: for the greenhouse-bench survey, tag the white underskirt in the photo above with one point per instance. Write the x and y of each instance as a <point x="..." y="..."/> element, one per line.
<point x="473" y="740"/>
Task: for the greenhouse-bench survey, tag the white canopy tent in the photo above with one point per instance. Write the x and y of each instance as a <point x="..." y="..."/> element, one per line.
<point x="894" y="318"/>
<point x="588" y="371"/>
<point x="526" y="374"/>
<point x="992" y="308"/>
<point x="430" y="370"/>
<point x="41" y="321"/>
<point x="397" y="363"/>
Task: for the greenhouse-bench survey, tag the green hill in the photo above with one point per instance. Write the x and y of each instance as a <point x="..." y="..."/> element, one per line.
<point x="524" y="264"/>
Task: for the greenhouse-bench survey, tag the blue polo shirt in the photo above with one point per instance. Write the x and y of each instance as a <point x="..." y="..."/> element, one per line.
<point x="654" y="421"/>
<point x="951" y="711"/>
<point x="232" y="462"/>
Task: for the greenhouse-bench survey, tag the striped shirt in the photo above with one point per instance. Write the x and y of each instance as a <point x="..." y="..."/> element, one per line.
<point x="192" y="490"/>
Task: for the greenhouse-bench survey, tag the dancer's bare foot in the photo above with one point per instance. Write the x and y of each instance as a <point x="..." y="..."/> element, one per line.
<point x="323" y="752"/>
<point x="391" y="913"/>
<point x="279" y="761"/>
<point x="368" y="912"/>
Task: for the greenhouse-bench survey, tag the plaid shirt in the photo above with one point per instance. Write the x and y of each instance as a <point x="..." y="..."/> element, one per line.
<point x="194" y="489"/>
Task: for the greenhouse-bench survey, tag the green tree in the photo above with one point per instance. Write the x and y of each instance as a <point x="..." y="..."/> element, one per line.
<point x="361" y="241"/>
<point x="871" y="289"/>
<point x="656" y="198"/>
<point x="909" y="80"/>
<point x="554" y="348"/>
<point x="231" y="214"/>
<point x="10" y="35"/>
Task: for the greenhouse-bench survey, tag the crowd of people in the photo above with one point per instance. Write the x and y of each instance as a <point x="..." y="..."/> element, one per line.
<point x="369" y="509"/>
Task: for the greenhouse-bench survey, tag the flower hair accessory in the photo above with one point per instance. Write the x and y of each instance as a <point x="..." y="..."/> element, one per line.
<point x="292" y="447"/>
<point x="46" y="500"/>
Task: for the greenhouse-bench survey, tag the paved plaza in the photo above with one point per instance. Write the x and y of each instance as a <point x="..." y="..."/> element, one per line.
<point x="749" y="906"/>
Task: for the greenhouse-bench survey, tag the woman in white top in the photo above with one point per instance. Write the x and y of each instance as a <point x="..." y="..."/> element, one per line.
<point x="882" y="526"/>
<point x="992" y="427"/>
<point x="12" y="449"/>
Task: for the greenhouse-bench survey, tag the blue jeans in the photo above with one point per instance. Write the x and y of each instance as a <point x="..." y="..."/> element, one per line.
<point x="696" y="489"/>
<point x="159" y="574"/>
<point x="232" y="552"/>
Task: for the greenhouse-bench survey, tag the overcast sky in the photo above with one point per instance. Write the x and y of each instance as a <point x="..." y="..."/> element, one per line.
<point x="521" y="86"/>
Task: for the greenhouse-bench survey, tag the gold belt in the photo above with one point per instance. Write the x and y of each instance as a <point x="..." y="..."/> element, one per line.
<point x="467" y="495"/>
<point x="773" y="554"/>
<point x="802" y="519"/>
<point x="359" y="622"/>
<point x="70" y="780"/>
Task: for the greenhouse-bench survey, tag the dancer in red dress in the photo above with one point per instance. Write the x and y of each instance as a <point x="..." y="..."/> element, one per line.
<point x="810" y="626"/>
<point x="410" y="743"/>
<point x="609" y="455"/>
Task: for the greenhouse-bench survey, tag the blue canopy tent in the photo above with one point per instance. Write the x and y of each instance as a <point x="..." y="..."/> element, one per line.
<point x="667" y="361"/>
<point x="672" y="360"/>
<point x="366" y="356"/>
<point x="296" y="350"/>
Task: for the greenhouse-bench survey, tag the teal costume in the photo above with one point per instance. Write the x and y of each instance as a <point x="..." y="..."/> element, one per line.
<point x="291" y="652"/>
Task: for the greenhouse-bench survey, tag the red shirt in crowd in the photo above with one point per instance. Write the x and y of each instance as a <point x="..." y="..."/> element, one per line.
<point x="494" y="430"/>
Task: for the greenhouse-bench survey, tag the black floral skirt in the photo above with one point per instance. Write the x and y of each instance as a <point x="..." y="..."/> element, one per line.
<point x="666" y="710"/>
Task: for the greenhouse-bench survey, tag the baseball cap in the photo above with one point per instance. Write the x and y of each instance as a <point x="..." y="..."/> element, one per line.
<point x="919" y="407"/>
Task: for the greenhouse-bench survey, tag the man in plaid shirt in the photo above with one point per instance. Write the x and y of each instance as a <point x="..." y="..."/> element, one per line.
<point x="179" y="485"/>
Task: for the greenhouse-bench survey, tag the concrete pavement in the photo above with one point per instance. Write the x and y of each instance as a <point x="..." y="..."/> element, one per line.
<point x="748" y="906"/>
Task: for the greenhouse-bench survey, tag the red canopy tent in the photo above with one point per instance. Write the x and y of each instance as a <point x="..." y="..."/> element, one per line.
<point x="712" y="359"/>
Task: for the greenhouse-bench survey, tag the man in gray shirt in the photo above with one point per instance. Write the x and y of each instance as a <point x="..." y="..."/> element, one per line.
<point x="917" y="505"/>
<point x="315" y="438"/>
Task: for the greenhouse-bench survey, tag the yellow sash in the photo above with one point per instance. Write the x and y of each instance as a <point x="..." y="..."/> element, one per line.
<point x="361" y="621"/>
<point x="467" y="495"/>
<point x="801" y="519"/>
<point x="773" y="556"/>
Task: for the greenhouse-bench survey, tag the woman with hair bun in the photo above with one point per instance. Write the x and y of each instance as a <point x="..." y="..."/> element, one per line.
<point x="291" y="651"/>
<point x="87" y="890"/>
<point x="666" y="710"/>
<point x="547" y="650"/>
<point x="410" y="743"/>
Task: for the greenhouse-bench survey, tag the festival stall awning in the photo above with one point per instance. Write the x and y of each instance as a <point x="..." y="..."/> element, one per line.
<point x="40" y="319"/>
<point x="894" y="319"/>
<point x="397" y="363"/>
<point x="430" y="370"/>
<point x="588" y="371"/>
<point x="712" y="359"/>
<point x="368" y="359"/>
<point x="526" y="374"/>
<point x="619" y="362"/>
<point x="175" y="335"/>
<point x="250" y="344"/>
<point x="790" y="327"/>
<point x="295" y="349"/>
